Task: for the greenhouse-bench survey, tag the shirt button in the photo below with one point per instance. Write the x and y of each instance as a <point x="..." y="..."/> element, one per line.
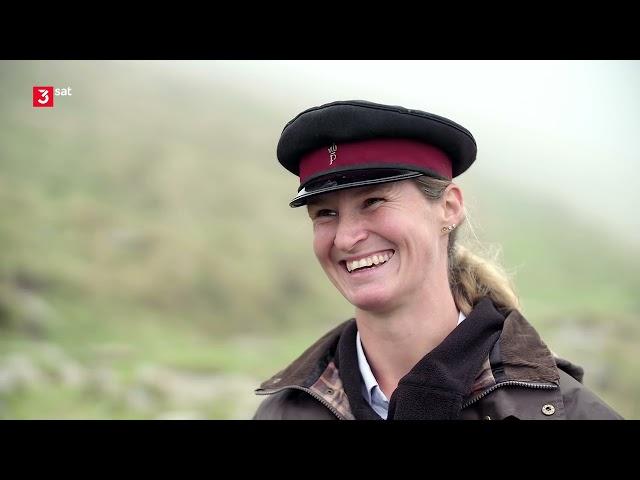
<point x="548" y="409"/>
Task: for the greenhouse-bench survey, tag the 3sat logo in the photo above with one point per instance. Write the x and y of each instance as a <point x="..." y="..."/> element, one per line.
<point x="43" y="96"/>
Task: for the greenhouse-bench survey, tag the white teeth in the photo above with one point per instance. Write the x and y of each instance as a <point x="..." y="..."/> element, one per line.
<point x="368" y="261"/>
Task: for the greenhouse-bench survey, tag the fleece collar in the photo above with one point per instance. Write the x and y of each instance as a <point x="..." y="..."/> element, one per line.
<point x="519" y="355"/>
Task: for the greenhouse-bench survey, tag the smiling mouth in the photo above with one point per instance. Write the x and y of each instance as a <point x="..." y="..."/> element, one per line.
<point x="367" y="263"/>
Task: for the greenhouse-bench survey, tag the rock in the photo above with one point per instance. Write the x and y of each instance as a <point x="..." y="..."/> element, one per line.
<point x="103" y="381"/>
<point x="61" y="367"/>
<point x="138" y="398"/>
<point x="26" y="311"/>
<point x="18" y="372"/>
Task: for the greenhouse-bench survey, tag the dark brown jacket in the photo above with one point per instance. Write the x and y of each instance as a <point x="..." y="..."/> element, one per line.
<point x="520" y="379"/>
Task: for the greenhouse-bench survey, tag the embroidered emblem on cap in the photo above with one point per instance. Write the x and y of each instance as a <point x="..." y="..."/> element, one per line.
<point x="332" y="153"/>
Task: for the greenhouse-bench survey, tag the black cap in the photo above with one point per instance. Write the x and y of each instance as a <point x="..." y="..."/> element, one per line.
<point x="353" y="143"/>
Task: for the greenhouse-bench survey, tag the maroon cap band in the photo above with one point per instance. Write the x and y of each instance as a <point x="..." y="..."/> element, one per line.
<point x="394" y="152"/>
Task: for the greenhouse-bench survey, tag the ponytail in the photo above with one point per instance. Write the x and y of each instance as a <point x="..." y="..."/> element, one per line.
<point x="472" y="276"/>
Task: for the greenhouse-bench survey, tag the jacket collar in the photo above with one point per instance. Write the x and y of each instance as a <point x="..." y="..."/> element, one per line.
<point x="519" y="355"/>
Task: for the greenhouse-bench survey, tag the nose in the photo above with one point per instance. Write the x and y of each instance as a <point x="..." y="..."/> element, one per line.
<point x="351" y="230"/>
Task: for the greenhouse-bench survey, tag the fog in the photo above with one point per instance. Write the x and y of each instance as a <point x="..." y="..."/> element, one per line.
<point x="565" y="129"/>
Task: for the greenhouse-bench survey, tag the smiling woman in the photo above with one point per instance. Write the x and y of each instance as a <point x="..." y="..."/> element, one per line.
<point x="437" y="331"/>
<point x="366" y="240"/>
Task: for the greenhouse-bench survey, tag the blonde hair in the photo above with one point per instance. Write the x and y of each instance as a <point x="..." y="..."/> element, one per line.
<point x="472" y="275"/>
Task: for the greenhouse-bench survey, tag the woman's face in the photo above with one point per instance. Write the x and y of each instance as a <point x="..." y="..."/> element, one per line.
<point x="379" y="245"/>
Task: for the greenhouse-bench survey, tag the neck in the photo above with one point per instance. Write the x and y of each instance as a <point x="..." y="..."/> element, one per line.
<point x="396" y="340"/>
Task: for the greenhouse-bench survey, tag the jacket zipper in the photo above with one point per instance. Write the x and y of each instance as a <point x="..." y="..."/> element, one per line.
<point x="509" y="383"/>
<point x="310" y="392"/>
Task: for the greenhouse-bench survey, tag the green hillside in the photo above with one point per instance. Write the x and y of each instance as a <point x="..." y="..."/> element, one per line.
<point x="151" y="268"/>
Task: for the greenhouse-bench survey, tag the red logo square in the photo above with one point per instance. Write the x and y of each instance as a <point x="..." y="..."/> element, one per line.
<point x="43" y="96"/>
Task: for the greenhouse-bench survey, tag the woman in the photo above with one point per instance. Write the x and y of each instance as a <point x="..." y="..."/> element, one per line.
<point x="437" y="332"/>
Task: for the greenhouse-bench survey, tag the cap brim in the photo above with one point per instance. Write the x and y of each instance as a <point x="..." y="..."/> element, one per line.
<point x="350" y="179"/>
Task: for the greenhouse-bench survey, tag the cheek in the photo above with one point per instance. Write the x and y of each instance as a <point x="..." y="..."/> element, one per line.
<point x="322" y="241"/>
<point x="390" y="226"/>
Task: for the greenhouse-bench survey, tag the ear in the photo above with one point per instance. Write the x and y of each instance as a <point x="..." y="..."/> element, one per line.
<point x="453" y="205"/>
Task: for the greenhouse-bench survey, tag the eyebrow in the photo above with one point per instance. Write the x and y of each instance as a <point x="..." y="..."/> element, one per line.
<point x="379" y="186"/>
<point x="366" y="190"/>
<point x="313" y="201"/>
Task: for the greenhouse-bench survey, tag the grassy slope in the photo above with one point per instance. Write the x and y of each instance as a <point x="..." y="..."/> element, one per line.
<point x="126" y="221"/>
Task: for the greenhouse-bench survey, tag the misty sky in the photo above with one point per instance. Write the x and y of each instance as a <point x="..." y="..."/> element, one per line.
<point x="568" y="129"/>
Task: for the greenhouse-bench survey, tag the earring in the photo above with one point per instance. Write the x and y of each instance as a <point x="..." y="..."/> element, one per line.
<point x="449" y="228"/>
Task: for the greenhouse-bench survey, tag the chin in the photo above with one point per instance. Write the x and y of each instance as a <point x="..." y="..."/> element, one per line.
<point x="371" y="301"/>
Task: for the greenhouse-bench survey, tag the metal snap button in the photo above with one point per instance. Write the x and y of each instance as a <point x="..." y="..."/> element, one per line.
<point x="548" y="409"/>
<point x="329" y="391"/>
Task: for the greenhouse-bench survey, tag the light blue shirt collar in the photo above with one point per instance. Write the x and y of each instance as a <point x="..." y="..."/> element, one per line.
<point x="371" y="390"/>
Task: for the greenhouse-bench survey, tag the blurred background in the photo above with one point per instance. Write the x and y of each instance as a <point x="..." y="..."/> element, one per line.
<point x="150" y="266"/>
